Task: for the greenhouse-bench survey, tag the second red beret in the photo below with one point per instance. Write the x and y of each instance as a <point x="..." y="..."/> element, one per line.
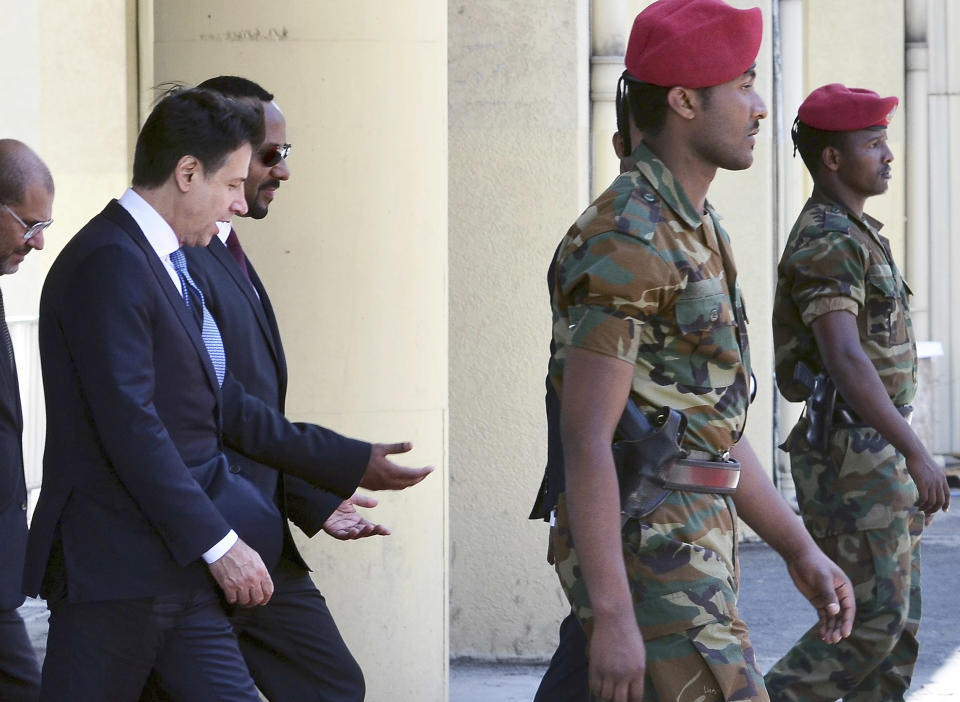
<point x="837" y="108"/>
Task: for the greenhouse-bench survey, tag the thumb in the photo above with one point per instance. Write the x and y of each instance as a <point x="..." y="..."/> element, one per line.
<point x="402" y="447"/>
<point x="363" y="500"/>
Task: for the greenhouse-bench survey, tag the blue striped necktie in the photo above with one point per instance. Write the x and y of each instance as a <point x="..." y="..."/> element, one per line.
<point x="192" y="296"/>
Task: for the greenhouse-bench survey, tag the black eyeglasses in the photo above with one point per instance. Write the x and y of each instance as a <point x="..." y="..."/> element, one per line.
<point x="272" y="155"/>
<point x="31" y="229"/>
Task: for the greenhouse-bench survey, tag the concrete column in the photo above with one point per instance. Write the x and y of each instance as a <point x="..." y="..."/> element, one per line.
<point x="792" y="181"/>
<point x="916" y="114"/>
<point x="610" y="28"/>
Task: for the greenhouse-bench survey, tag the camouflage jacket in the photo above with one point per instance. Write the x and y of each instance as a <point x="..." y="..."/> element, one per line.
<point x="834" y="260"/>
<point x="640" y="276"/>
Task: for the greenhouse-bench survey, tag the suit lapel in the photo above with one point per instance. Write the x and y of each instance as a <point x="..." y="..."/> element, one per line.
<point x="258" y="304"/>
<point x="274" y="330"/>
<point x="122" y="218"/>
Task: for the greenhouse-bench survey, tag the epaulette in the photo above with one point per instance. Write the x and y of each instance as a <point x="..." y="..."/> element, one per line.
<point x="641" y="213"/>
<point x="830" y="218"/>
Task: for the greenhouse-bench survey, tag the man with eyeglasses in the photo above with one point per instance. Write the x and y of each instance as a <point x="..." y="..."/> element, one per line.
<point x="291" y="645"/>
<point x="26" y="198"/>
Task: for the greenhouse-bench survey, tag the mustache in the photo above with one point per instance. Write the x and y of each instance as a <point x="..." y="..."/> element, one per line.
<point x="270" y="184"/>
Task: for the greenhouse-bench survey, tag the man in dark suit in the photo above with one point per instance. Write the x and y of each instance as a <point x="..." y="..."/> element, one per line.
<point x="26" y="199"/>
<point x="292" y="645"/>
<point x="139" y="508"/>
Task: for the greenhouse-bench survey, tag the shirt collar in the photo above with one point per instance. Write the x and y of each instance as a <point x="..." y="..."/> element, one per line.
<point x="223" y="230"/>
<point x="662" y="180"/>
<point x="155" y="228"/>
<point x="820" y="197"/>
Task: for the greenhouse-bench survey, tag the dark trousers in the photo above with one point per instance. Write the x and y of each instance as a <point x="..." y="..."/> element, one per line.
<point x="293" y="647"/>
<point x="566" y="678"/>
<point x="19" y="672"/>
<point x="104" y="651"/>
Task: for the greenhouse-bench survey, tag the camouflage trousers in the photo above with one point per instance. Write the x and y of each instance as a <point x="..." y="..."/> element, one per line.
<point x="682" y="565"/>
<point x="879" y="549"/>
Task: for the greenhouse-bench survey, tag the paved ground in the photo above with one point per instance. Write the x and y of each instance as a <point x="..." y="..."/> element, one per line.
<point x="778" y="615"/>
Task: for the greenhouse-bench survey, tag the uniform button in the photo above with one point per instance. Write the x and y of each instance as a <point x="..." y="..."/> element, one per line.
<point x="234" y="468"/>
<point x="23" y="506"/>
<point x="714" y="315"/>
<point x="649" y="197"/>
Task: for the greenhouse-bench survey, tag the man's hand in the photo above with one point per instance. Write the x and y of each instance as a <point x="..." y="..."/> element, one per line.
<point x="931" y="482"/>
<point x="618" y="660"/>
<point x="242" y="576"/>
<point x="828" y="589"/>
<point x="384" y="474"/>
<point x="346" y="523"/>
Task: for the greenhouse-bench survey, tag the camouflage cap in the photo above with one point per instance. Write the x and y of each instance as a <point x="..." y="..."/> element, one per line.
<point x="693" y="43"/>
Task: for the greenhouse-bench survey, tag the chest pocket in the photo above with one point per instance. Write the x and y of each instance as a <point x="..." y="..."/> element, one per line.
<point x="885" y="307"/>
<point x="704" y="354"/>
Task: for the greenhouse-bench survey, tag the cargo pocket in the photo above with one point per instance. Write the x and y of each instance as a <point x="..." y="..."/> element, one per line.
<point x="886" y="317"/>
<point x="705" y="353"/>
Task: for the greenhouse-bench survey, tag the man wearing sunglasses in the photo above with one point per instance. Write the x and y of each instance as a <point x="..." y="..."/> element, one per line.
<point x="26" y="198"/>
<point x="291" y="645"/>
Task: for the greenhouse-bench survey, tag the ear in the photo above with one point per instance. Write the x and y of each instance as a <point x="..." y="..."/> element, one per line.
<point x="187" y="170"/>
<point x="683" y="102"/>
<point x="618" y="145"/>
<point x="830" y="158"/>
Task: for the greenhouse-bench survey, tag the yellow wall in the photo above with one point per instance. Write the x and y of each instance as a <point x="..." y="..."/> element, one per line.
<point x="354" y="254"/>
<point x="66" y="71"/>
<point x="518" y="174"/>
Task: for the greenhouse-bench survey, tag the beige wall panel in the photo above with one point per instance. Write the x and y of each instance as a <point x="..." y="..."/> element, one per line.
<point x="839" y="49"/>
<point x="69" y="82"/>
<point x="518" y="174"/>
<point x="354" y="253"/>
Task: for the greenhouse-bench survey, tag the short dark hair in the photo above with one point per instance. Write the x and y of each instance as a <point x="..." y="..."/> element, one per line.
<point x="195" y="122"/>
<point x="811" y="142"/>
<point x="236" y="87"/>
<point x="647" y="104"/>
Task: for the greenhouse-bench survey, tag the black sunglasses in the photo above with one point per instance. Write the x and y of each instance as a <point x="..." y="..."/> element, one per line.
<point x="272" y="155"/>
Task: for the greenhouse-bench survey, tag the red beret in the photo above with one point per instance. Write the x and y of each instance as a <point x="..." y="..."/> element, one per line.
<point x="693" y="43"/>
<point x="837" y="108"/>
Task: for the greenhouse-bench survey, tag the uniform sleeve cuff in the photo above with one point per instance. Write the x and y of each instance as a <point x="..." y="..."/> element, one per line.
<point x="823" y="305"/>
<point x="221" y="547"/>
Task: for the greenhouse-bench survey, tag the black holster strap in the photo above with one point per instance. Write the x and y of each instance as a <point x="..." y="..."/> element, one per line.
<point x="844" y="417"/>
<point x="702" y="476"/>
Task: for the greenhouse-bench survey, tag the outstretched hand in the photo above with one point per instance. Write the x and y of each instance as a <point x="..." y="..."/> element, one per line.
<point x="347" y="523"/>
<point x="828" y="589"/>
<point x="384" y="474"/>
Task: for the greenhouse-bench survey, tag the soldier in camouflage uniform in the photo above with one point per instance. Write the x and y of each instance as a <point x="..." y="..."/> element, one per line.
<point x="647" y="307"/>
<point x="841" y="309"/>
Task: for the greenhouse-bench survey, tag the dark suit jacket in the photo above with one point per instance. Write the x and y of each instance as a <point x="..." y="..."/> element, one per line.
<point x="136" y="486"/>
<point x="251" y="339"/>
<point x="13" y="488"/>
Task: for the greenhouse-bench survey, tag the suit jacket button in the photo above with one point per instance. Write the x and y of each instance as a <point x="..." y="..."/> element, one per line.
<point x="23" y="506"/>
<point x="234" y="468"/>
